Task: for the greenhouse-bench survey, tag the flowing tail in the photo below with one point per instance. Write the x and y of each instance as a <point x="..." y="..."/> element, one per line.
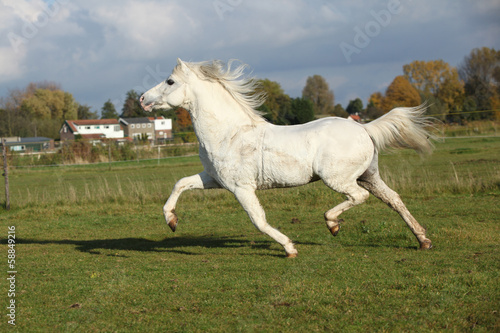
<point x="402" y="128"/>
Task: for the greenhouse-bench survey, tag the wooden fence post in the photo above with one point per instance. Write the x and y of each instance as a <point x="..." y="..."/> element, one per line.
<point x="6" y="174"/>
<point x="109" y="154"/>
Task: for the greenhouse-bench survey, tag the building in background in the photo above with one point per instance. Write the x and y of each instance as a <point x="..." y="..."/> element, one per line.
<point x="138" y="128"/>
<point x="91" y="129"/>
<point x="155" y="130"/>
<point x="28" y="145"/>
<point x="163" y="129"/>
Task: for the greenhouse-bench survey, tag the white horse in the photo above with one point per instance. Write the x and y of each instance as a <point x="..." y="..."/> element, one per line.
<point x="242" y="152"/>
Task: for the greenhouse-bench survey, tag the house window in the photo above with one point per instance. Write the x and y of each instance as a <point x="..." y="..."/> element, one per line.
<point x="132" y="126"/>
<point x="163" y="123"/>
<point x="65" y="129"/>
<point x="18" y="148"/>
<point x="149" y="125"/>
<point x="106" y="127"/>
<point x="97" y="127"/>
<point x="87" y="127"/>
<point x="143" y="125"/>
<point x="117" y="128"/>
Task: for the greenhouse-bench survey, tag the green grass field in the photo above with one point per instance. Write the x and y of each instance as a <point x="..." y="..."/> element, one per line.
<point x="93" y="253"/>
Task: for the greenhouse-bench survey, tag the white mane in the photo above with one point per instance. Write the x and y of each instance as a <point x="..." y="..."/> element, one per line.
<point x="242" y="89"/>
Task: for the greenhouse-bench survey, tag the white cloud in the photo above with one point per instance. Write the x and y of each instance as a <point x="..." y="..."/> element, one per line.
<point x="24" y="9"/>
<point x="11" y="67"/>
<point x="101" y="49"/>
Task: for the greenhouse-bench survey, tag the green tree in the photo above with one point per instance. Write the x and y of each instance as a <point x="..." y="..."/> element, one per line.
<point x="84" y="112"/>
<point x="339" y="111"/>
<point x="318" y="92"/>
<point x="478" y="71"/>
<point x="373" y="112"/>
<point x="132" y="107"/>
<point x="301" y="111"/>
<point x="108" y="111"/>
<point x="355" y="106"/>
<point x="277" y="104"/>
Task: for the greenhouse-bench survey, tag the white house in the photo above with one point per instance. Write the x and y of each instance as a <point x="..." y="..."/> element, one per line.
<point x="91" y="129"/>
<point x="163" y="129"/>
<point x="157" y="129"/>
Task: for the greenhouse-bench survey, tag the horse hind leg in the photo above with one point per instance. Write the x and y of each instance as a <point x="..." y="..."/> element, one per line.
<point x="355" y="196"/>
<point x="379" y="188"/>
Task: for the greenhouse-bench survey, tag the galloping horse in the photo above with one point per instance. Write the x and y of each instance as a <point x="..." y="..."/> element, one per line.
<point x="242" y="152"/>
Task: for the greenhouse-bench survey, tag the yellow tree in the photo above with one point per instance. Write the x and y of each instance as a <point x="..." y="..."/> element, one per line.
<point x="376" y="99"/>
<point x="436" y="78"/>
<point x="400" y="93"/>
<point x="183" y="118"/>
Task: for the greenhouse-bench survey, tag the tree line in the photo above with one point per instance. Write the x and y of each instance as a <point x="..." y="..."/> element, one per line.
<point x="469" y="92"/>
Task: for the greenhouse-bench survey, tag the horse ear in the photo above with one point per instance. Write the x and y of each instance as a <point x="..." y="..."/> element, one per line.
<point x="183" y="66"/>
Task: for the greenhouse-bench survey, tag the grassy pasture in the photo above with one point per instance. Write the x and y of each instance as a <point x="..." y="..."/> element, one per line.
<point x="94" y="253"/>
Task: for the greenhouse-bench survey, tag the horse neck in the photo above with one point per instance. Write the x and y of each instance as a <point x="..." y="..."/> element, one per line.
<point x="216" y="115"/>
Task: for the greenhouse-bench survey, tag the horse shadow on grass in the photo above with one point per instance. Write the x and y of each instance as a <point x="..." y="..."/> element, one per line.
<point x="181" y="245"/>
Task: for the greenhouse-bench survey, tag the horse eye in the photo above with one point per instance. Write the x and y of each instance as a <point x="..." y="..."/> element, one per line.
<point x="170" y="82"/>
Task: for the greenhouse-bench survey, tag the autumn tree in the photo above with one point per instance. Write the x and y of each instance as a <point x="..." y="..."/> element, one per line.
<point x="183" y="119"/>
<point x="436" y="78"/>
<point x="376" y="99"/>
<point x="108" y="110"/>
<point x="50" y="104"/>
<point x="479" y="71"/>
<point x="400" y="93"/>
<point x="319" y="93"/>
<point x="37" y="110"/>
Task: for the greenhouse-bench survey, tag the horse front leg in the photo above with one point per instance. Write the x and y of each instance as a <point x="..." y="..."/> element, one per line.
<point x="250" y="203"/>
<point x="199" y="181"/>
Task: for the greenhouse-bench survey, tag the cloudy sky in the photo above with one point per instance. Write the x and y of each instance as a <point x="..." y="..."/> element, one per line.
<point x="99" y="49"/>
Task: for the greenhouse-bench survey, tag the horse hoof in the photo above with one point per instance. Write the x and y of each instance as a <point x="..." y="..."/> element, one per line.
<point x="291" y="255"/>
<point x="426" y="245"/>
<point x="335" y="230"/>
<point x="172" y="223"/>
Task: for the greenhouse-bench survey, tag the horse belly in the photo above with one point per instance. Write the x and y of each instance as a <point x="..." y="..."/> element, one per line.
<point x="281" y="168"/>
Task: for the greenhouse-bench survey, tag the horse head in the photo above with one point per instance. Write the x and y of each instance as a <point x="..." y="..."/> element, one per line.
<point x="171" y="93"/>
